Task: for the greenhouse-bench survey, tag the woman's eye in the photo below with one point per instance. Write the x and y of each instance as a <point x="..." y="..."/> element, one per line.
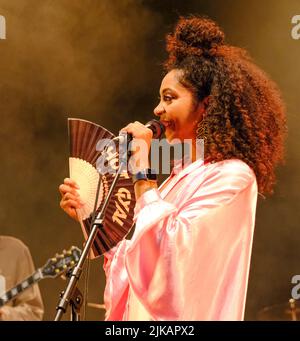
<point x="168" y="98"/>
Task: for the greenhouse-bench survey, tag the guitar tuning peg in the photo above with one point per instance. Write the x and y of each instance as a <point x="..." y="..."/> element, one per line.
<point x="72" y="262"/>
<point x="54" y="259"/>
<point x="69" y="253"/>
<point x="57" y="271"/>
<point x="65" y="266"/>
<point x="63" y="277"/>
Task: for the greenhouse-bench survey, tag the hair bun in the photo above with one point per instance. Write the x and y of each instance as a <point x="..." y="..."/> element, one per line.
<point x="194" y="36"/>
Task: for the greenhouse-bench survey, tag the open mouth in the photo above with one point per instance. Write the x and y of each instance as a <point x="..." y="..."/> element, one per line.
<point x="167" y="124"/>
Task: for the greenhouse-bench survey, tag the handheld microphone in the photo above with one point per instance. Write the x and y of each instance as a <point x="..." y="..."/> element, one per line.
<point x="157" y="129"/>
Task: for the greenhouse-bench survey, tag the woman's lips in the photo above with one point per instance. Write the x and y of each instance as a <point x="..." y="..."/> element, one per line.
<point x="166" y="123"/>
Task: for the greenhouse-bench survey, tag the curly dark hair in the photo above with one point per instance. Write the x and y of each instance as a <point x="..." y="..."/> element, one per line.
<point x="245" y="115"/>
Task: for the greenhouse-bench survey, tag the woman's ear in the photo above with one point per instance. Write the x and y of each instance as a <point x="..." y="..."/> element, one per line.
<point x="203" y="106"/>
<point x="206" y="101"/>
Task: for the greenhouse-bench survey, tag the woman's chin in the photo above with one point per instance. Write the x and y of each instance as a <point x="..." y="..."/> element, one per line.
<point x="169" y="136"/>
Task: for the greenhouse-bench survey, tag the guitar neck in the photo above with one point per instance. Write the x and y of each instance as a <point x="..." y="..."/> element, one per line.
<point x="15" y="291"/>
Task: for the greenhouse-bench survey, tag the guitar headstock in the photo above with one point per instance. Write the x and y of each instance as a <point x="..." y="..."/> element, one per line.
<point x="61" y="263"/>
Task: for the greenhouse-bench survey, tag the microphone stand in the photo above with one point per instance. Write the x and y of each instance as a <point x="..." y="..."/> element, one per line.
<point x="72" y="294"/>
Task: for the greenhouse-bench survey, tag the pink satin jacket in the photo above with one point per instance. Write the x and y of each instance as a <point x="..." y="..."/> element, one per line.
<point x="189" y="256"/>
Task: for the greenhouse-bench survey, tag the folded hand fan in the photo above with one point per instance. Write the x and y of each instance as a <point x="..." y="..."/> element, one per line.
<point x="84" y="137"/>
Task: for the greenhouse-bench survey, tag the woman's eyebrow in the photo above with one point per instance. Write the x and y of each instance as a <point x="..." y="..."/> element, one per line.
<point x="167" y="89"/>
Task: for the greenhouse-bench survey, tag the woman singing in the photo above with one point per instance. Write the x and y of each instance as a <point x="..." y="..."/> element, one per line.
<point x="189" y="256"/>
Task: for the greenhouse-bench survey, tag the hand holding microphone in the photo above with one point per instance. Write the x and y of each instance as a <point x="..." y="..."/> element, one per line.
<point x="137" y="130"/>
<point x="138" y="137"/>
<point x="134" y="143"/>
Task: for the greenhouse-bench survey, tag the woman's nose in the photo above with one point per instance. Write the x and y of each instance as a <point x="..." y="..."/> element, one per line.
<point x="158" y="110"/>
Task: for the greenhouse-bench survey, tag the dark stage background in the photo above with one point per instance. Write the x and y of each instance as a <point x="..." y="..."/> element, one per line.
<point x="101" y="60"/>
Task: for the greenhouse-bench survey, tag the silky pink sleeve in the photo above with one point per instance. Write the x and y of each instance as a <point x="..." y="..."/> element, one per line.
<point x="191" y="262"/>
<point x="116" y="289"/>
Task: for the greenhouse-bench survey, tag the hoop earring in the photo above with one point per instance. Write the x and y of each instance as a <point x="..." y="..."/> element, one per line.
<point x="201" y="130"/>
